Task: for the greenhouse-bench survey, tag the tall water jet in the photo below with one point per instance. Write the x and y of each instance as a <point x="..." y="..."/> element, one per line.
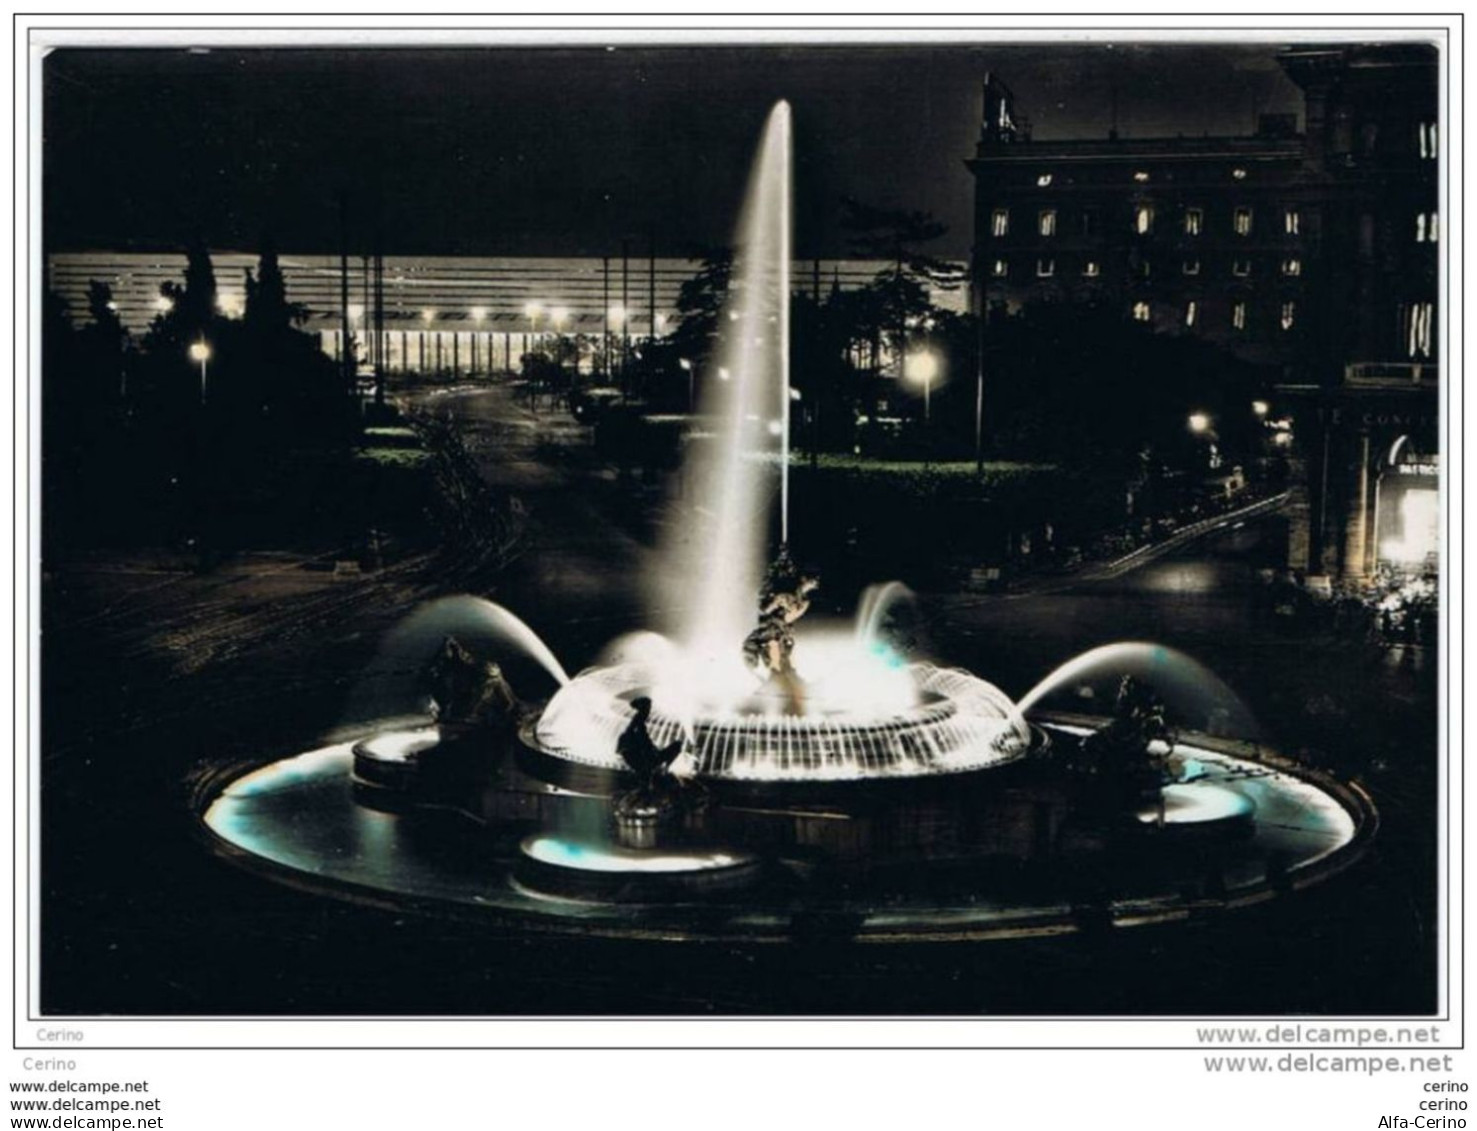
<point x="721" y="553"/>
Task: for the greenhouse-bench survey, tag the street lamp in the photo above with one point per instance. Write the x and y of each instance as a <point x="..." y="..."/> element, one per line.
<point x="686" y="364"/>
<point x="1199" y="423"/>
<point x="1261" y="408"/>
<point x="200" y="351"/>
<point x="921" y="367"/>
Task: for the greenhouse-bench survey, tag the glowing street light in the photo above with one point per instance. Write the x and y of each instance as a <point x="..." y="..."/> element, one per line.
<point x="200" y="351"/>
<point x="163" y="304"/>
<point x="1199" y="423"/>
<point x="479" y="314"/>
<point x="617" y="315"/>
<point x="1261" y="408"/>
<point x="686" y="364"/>
<point x="559" y="316"/>
<point x="427" y="315"/>
<point x="921" y="367"/>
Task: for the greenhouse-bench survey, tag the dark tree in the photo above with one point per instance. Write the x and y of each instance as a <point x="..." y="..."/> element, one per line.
<point x="700" y="303"/>
<point x="900" y="294"/>
<point x="267" y="308"/>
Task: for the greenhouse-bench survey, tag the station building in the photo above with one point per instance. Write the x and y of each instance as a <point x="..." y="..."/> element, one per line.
<point x="458" y="316"/>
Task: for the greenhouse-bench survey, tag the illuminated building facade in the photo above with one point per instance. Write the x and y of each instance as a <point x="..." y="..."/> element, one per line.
<point x="1309" y="249"/>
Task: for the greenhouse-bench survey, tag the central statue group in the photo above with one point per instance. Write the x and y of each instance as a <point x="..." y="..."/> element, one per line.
<point x="783" y="599"/>
<point x="768" y="650"/>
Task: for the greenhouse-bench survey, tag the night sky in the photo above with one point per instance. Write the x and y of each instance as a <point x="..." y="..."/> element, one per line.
<point x="567" y="151"/>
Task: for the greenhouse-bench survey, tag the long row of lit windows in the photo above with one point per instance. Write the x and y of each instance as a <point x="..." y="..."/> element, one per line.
<point x="1142" y="222"/>
<point x="1046" y="268"/>
<point x="1143" y="311"/>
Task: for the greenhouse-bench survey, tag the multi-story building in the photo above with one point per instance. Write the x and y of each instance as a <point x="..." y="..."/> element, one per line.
<point x="1310" y="252"/>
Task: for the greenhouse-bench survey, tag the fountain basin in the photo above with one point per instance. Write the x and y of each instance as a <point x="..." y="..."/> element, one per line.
<point x="958" y="723"/>
<point x="572" y="868"/>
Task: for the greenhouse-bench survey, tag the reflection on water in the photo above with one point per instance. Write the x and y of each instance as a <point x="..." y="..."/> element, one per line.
<point x="301" y="813"/>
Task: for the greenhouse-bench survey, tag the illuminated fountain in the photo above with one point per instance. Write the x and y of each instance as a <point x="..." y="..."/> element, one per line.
<point x="745" y="744"/>
<point x="865" y="712"/>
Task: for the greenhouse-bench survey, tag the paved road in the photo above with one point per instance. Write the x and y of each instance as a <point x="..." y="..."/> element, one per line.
<point x="580" y="578"/>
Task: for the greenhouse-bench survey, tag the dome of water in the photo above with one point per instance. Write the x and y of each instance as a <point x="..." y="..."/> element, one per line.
<point x="1195" y="698"/>
<point x="392" y="683"/>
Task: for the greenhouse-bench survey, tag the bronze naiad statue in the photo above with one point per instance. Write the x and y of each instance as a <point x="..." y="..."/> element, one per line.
<point x="649" y="761"/>
<point x="783" y="600"/>
<point x="1120" y="754"/>
<point x="657" y="792"/>
<point x="466" y="690"/>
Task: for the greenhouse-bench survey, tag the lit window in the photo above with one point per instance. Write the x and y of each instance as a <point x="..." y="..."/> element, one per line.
<point x="999" y="269"/>
<point x="1191" y="267"/>
<point x="1046" y="222"/>
<point x="1091" y="269"/>
<point x="1239" y="174"/>
<point x="1289" y="314"/>
<point x="1143" y="219"/>
<point x="1243" y="221"/>
<point x="1292" y="267"/>
<point x="1000" y="222"/>
<point x="1194" y="221"/>
<point x="1419" y="330"/>
<point x="1043" y="180"/>
<point x="1192" y="311"/>
<point x="1141" y="177"/>
<point x="1045" y="268"/>
<point x="1427" y="138"/>
<point x="1292" y="221"/>
<point x="1140" y="312"/>
<point x="1238" y="315"/>
<point x="1425" y="227"/>
<point x="1241" y="268"/>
